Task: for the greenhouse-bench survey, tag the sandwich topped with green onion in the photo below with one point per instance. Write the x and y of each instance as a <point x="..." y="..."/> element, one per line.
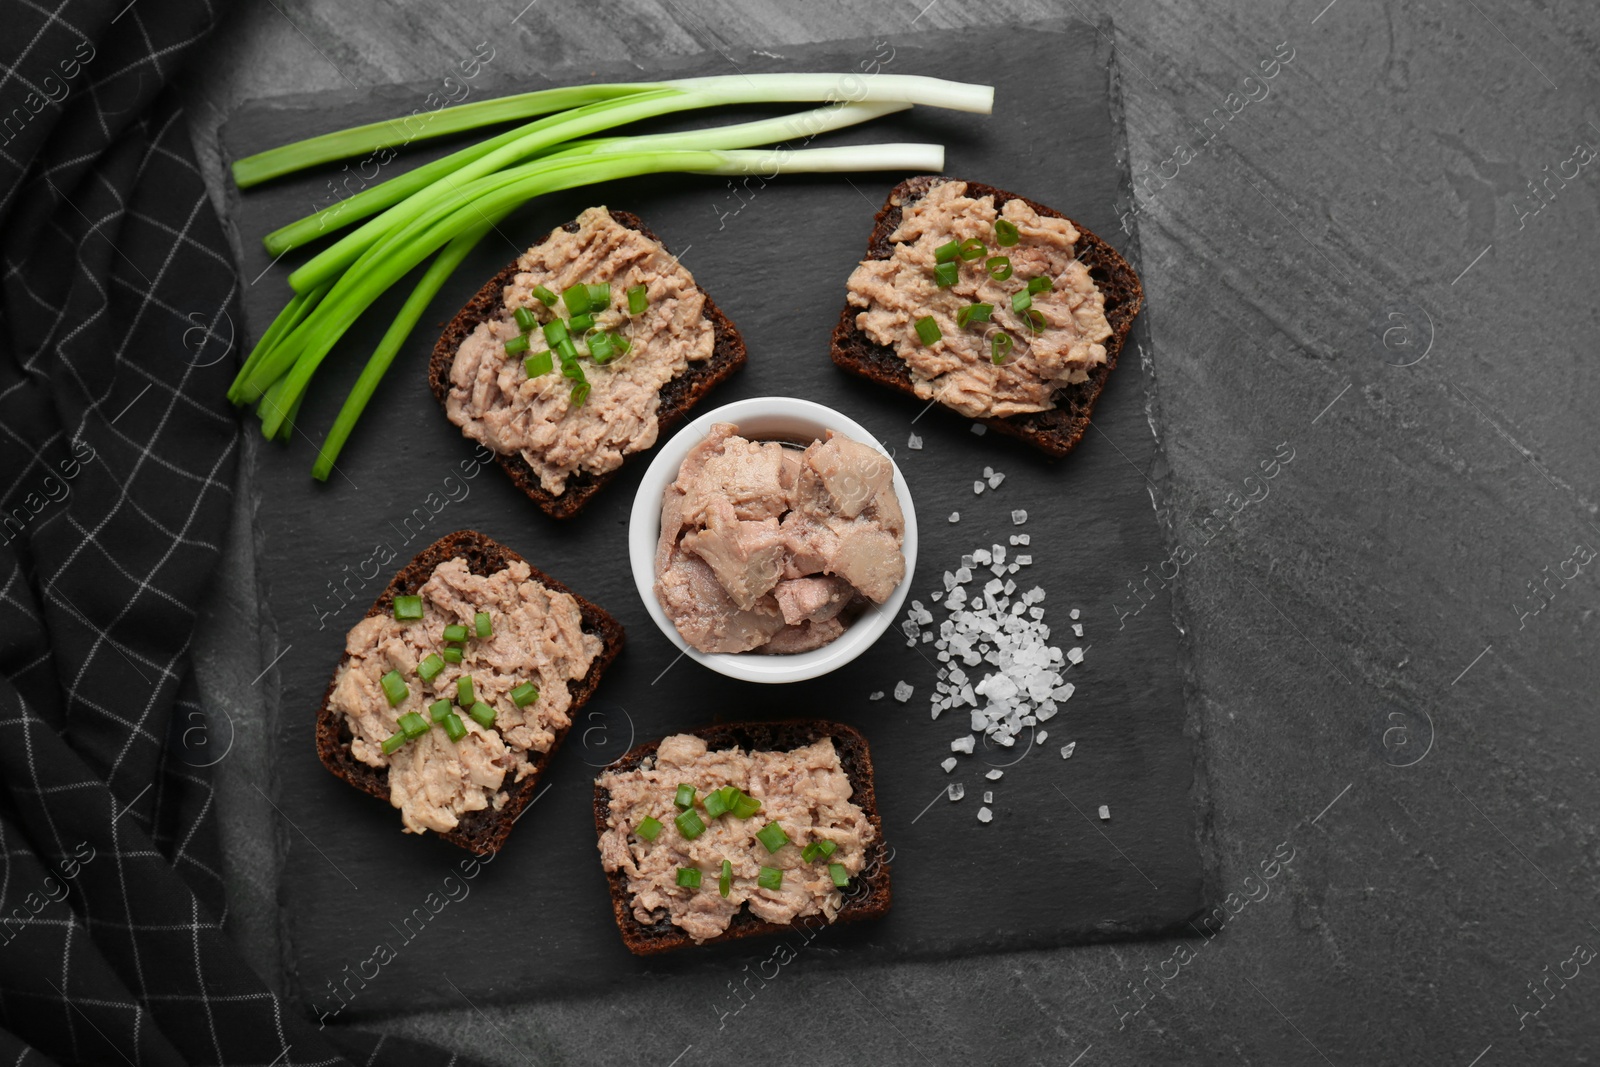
<point x="991" y="304"/>
<point x="741" y="829"/>
<point x="579" y="354"/>
<point x="457" y="687"/>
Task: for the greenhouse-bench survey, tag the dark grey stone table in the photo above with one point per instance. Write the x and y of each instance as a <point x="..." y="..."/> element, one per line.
<point x="1381" y="258"/>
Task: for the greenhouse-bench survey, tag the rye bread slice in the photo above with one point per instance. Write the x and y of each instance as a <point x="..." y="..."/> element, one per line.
<point x="1055" y="431"/>
<point x="678" y="396"/>
<point x="869" y="894"/>
<point x="483" y="831"/>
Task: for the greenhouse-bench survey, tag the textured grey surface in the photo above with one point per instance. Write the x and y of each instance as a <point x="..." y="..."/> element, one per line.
<point x="1377" y="695"/>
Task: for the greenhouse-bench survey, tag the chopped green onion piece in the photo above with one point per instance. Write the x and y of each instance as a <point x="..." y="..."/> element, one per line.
<point x="971" y="249"/>
<point x="770" y="878"/>
<point x="413" y="724"/>
<point x="685" y="797"/>
<point x="689" y="877"/>
<point x="1005" y="232"/>
<point x="730" y="793"/>
<point x="454" y="728"/>
<point x="745" y="805"/>
<point x="638" y="300"/>
<point x="524" y="694"/>
<point x="568" y="351"/>
<point x="430" y="667"/>
<point x="580" y="324"/>
<point x="482" y="714"/>
<point x="946" y="274"/>
<point x="689" y="824"/>
<point x="840" y="876"/>
<point x="519" y="343"/>
<point x="439" y="709"/>
<point x="576" y="298"/>
<point x="927" y="330"/>
<point x="1021" y="301"/>
<point x="974" y="313"/>
<point x="621" y="344"/>
<point x="451" y="654"/>
<point x="555" y="331"/>
<point x="482" y="624"/>
<point x="394" y="688"/>
<point x="725" y="880"/>
<point x="999" y="347"/>
<point x="525" y="319"/>
<point x="818" y="848"/>
<point x="716" y="803"/>
<point x="599" y="296"/>
<point x="1040" y="284"/>
<point x="580" y="393"/>
<point x="464" y="695"/>
<point x="648" y="829"/>
<point x="773" y="836"/>
<point x="546" y="297"/>
<point x="392" y="743"/>
<point x="1035" y="320"/>
<point x="538" y="364"/>
<point x="407" y="608"/>
<point x="999" y="267"/>
<point x="947" y="252"/>
<point x="455" y="632"/>
<point x="600" y="349"/>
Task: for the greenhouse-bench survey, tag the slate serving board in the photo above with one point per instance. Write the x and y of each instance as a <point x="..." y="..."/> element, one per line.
<point x="376" y="921"/>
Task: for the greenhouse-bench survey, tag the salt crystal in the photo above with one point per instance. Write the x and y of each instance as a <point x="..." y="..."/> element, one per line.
<point x="902" y="691"/>
<point x="1077" y="629"/>
<point x="985" y="815"/>
<point x="949" y="764"/>
<point x="955" y="516"/>
<point x="995" y="479"/>
<point x="955" y="790"/>
<point x="963" y="744"/>
<point x="1105" y="813"/>
<point x="1018" y="517"/>
<point x="977" y="487"/>
<point x="1075" y="654"/>
<point x="1013" y="540"/>
<point x="1066" y="749"/>
<point x="979" y="428"/>
<point x="995" y="775"/>
<point x="988" y="797"/>
<point x="1041" y="736"/>
<point x="926" y="638"/>
<point x="988" y="471"/>
<point x="914" y="441"/>
<point x="877" y="694"/>
<point x="1025" y="559"/>
<point x="1073" y="614"/>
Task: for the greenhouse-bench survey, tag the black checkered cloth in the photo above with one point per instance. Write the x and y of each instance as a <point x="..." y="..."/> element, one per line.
<point x="118" y="312"/>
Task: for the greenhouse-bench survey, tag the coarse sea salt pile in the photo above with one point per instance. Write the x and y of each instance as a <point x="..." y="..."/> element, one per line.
<point x="996" y="661"/>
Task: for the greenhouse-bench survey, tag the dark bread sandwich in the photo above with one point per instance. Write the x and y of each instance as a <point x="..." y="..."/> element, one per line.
<point x="663" y="394"/>
<point x="487" y="734"/>
<point x="726" y="864"/>
<point x="1039" y="383"/>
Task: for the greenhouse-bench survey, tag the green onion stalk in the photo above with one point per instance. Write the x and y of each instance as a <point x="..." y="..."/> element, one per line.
<point x="443" y="209"/>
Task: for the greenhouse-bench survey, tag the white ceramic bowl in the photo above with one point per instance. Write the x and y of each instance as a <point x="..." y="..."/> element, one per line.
<point x="771" y="418"/>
